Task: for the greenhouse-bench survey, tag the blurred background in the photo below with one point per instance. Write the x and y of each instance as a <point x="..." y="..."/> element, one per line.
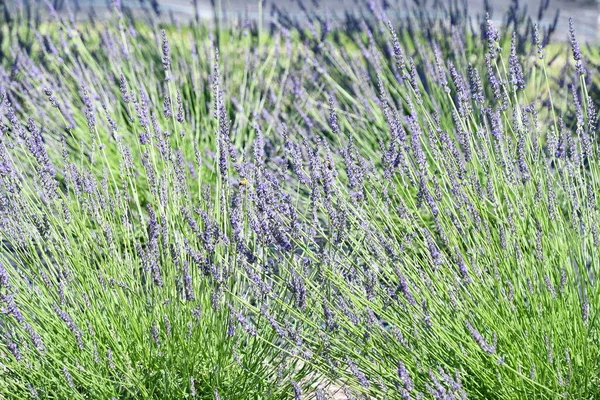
<point x="585" y="13"/>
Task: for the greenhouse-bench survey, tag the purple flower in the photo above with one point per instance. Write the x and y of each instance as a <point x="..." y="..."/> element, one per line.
<point x="109" y="357"/>
<point x="11" y="308"/>
<point x="68" y="377"/>
<point x="576" y="50"/>
<point x="123" y="88"/>
<point x="298" y="290"/>
<point x="166" y="54"/>
<point x="187" y="283"/>
<point x="494" y="82"/>
<point x="405" y="379"/>
<point x="71" y="325"/>
<point x="35" y="337"/>
<point x="13" y="348"/>
<point x="362" y="379"/>
<point x="180" y="113"/>
<point x="333" y="121"/>
<point x="259" y="147"/>
<point x="155" y="334"/>
<point x="476" y="85"/>
<point x="248" y="327"/>
<point x="297" y="390"/>
<point x="330" y="323"/>
<point x="441" y="70"/>
<point x="167" y="107"/>
<point x="403" y="287"/>
<point x="320" y="395"/>
<point x="46" y="171"/>
<point x="90" y="115"/>
<point x="51" y="98"/>
<point x="273" y="322"/>
<point x="515" y="71"/>
<point x="585" y="312"/>
<point x="435" y="254"/>
<point x="4" y="279"/>
<point x="485" y="346"/>
<point x="398" y="53"/>
<point x="167" y="324"/>
<point x="231" y="326"/>
<point x="537" y="41"/>
<point x="492" y="36"/>
<point x="414" y="80"/>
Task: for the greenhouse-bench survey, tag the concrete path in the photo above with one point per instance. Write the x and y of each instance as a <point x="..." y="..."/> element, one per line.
<point x="585" y="13"/>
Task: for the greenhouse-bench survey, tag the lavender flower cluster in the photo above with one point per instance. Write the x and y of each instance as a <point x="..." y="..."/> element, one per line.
<point x="365" y="207"/>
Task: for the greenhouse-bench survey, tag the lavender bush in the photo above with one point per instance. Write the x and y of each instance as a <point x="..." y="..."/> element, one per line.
<point x="366" y="207"/>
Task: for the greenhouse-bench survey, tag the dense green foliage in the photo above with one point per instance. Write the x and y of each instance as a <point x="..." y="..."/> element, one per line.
<point x="374" y="208"/>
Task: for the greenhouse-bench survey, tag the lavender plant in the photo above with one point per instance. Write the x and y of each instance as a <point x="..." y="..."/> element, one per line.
<point x="120" y="270"/>
<point x="373" y="206"/>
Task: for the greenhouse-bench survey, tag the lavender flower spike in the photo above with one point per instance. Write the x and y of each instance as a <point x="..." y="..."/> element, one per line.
<point x="362" y="379"/>
<point x="576" y="50"/>
<point x="166" y="51"/>
<point x="485" y="346"/>
<point x="516" y="73"/>
<point x="405" y="379"/>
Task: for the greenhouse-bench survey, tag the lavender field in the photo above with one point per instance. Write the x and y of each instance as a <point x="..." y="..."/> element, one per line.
<point x="398" y="203"/>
